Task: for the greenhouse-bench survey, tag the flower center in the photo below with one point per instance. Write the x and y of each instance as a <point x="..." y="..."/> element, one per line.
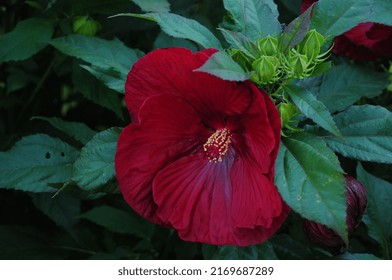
<point x="217" y="145"/>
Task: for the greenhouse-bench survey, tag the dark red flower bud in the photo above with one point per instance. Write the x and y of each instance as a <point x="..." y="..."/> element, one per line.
<point x="356" y="198"/>
<point x="365" y="42"/>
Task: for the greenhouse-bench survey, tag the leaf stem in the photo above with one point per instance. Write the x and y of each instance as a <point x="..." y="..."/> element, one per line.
<point x="36" y="89"/>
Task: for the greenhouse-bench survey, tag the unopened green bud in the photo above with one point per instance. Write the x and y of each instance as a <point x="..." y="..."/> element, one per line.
<point x="298" y="65"/>
<point x="86" y="26"/>
<point x="266" y="70"/>
<point x="268" y="46"/>
<point x="287" y="112"/>
<point x="311" y="44"/>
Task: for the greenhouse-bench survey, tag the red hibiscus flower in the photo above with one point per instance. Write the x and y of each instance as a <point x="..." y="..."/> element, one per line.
<point x="365" y="42"/>
<point x="356" y="198"/>
<point x="199" y="156"/>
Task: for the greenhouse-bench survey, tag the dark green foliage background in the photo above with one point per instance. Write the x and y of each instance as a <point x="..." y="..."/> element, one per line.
<point x="48" y="92"/>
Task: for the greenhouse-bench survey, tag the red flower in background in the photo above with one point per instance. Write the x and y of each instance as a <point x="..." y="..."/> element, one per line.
<point x="356" y="198"/>
<point x="199" y="156"/>
<point x="365" y="42"/>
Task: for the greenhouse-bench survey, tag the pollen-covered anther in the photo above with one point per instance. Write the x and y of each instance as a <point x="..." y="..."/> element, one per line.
<point x="217" y="145"/>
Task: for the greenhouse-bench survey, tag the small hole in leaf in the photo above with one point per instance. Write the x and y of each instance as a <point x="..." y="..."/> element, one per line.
<point x="62" y="154"/>
<point x="47" y="155"/>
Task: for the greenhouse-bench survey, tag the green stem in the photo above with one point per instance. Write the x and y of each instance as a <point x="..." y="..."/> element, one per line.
<point x="36" y="89"/>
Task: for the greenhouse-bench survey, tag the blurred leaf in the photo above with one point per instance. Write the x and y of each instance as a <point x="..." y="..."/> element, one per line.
<point x="26" y="39"/>
<point x="157" y="6"/>
<point x="18" y="79"/>
<point x="378" y="218"/>
<point x="208" y="251"/>
<point x="263" y="251"/>
<point x="313" y="109"/>
<point x="345" y="84"/>
<point x="381" y="12"/>
<point x="25" y="243"/>
<point x="95" y="165"/>
<point x="223" y="66"/>
<point x="181" y="27"/>
<point x="266" y="251"/>
<point x="96" y="92"/>
<point x="235" y="253"/>
<point x="119" y="221"/>
<point x="295" y="32"/>
<point x="253" y="18"/>
<point x="311" y="181"/>
<point x="356" y="256"/>
<point x="63" y="209"/>
<point x="109" y="55"/>
<point x="35" y="162"/>
<point x="107" y="7"/>
<point x="367" y="134"/>
<point x="78" y="131"/>
<point x="334" y="17"/>
<point x="287" y="248"/>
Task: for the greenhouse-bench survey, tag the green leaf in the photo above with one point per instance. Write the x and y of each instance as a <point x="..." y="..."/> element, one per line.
<point x="63" y="209"/>
<point x="253" y="18"/>
<point x="119" y="221"/>
<point x="378" y="218"/>
<point x="240" y="42"/>
<point x="78" y="131"/>
<point x="311" y="182"/>
<point x="334" y="17"/>
<point x="313" y="109"/>
<point x="287" y="248"/>
<point x="35" y="162"/>
<point x="345" y="84"/>
<point x="26" y="39"/>
<point x="104" y="54"/>
<point x="263" y="251"/>
<point x="96" y="92"/>
<point x="381" y="12"/>
<point x="356" y="256"/>
<point x="295" y="32"/>
<point x="158" y="6"/>
<point x="95" y="165"/>
<point x="223" y="66"/>
<point x="181" y="27"/>
<point x="367" y="134"/>
<point x="111" y="78"/>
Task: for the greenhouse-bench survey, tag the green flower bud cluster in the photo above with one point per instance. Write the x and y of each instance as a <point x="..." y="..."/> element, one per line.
<point x="86" y="26"/>
<point x="302" y="60"/>
<point x="266" y="69"/>
<point x="267" y="63"/>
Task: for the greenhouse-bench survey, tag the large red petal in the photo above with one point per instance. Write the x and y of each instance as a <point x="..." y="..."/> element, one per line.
<point x="194" y="196"/>
<point x="171" y="71"/>
<point x="207" y="202"/>
<point x="261" y="126"/>
<point x="168" y="128"/>
<point x="257" y="201"/>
